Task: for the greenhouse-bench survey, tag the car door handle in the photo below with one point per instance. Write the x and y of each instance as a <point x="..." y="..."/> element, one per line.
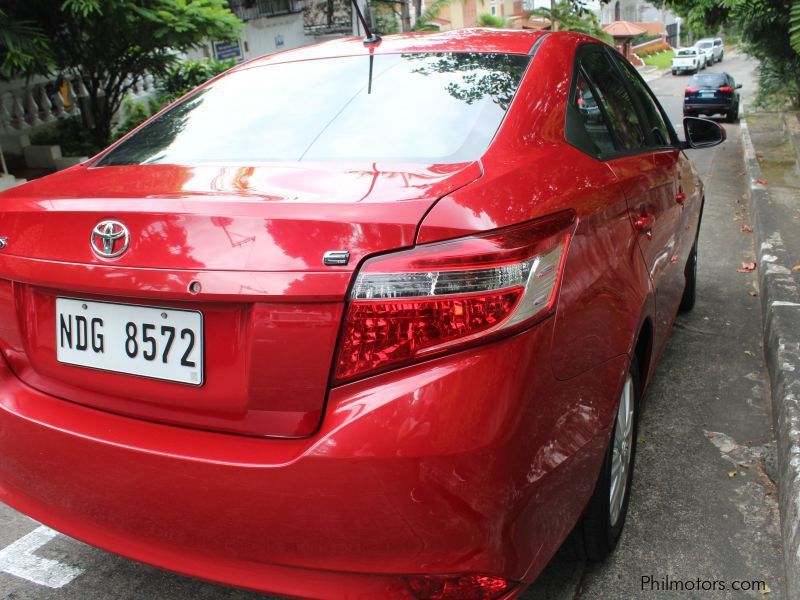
<point x="644" y="224"/>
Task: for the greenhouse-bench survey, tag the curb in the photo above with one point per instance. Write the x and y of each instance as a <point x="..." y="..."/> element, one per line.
<point x="780" y="311"/>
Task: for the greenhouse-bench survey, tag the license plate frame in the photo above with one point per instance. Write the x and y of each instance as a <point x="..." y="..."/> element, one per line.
<point x="176" y="356"/>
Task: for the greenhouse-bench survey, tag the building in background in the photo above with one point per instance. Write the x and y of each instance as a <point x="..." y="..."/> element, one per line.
<point x="269" y="26"/>
<point x="654" y="17"/>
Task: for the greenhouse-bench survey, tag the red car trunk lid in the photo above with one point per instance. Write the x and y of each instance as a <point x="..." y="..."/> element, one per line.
<point x="251" y="238"/>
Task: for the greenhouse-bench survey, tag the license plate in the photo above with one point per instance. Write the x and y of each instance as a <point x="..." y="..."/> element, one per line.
<point x="707" y="94"/>
<point x="160" y="343"/>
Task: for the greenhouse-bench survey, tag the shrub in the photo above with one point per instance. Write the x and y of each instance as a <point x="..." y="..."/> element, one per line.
<point x="650" y="50"/>
<point x="68" y="133"/>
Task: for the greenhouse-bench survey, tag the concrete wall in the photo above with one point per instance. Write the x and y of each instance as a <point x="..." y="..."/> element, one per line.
<point x="266" y="36"/>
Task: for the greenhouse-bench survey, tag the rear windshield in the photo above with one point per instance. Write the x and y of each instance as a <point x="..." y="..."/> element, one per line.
<point x="687" y="52"/>
<point x="713" y="80"/>
<point x="437" y="108"/>
<point x="704" y="45"/>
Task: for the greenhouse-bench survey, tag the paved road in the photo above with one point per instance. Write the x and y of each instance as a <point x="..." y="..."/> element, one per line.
<point x="703" y="504"/>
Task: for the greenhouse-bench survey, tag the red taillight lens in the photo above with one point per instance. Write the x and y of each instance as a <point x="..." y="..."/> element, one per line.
<point x="458" y="587"/>
<point x="411" y="304"/>
<point x="689" y="90"/>
<point x="726" y="88"/>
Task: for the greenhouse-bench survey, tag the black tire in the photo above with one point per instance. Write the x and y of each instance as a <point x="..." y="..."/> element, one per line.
<point x="721" y="56"/>
<point x="732" y="116"/>
<point x="690" y="272"/>
<point x="595" y="537"/>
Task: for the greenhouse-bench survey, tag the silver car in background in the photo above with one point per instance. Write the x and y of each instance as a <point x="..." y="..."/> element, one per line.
<point x="712" y="48"/>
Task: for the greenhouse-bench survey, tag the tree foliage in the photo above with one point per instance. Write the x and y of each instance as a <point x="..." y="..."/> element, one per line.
<point x="487" y="20"/>
<point x="573" y="15"/>
<point x="112" y="44"/>
<point x="23" y="47"/>
<point x="770" y="32"/>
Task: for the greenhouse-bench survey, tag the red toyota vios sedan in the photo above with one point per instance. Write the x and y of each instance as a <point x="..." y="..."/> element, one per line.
<point x="355" y="320"/>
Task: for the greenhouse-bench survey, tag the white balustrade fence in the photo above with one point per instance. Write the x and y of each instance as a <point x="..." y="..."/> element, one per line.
<point x="24" y="105"/>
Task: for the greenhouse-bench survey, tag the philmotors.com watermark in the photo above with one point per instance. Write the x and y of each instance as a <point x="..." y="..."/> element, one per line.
<point x="651" y="583"/>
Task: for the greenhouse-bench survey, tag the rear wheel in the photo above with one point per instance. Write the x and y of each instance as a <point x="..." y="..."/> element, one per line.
<point x="597" y="533"/>
<point x="732" y="115"/>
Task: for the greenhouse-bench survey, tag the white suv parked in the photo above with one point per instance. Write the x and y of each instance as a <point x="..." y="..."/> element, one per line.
<point x="712" y="48"/>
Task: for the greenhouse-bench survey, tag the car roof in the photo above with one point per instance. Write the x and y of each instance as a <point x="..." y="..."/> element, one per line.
<point x="478" y="39"/>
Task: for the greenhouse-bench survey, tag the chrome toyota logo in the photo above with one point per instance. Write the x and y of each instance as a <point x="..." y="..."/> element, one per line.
<point x="109" y="239"/>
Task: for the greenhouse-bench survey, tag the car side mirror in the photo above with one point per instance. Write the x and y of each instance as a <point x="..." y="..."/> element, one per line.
<point x="738" y="86"/>
<point x="702" y="133"/>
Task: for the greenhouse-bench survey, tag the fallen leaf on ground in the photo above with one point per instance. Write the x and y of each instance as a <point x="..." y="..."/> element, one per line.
<point x="761" y="181"/>
<point x="746" y="229"/>
<point x="766" y="590"/>
<point x="747" y="267"/>
<point x="731" y="473"/>
<point x="744" y="465"/>
<point x="749" y="353"/>
<point x="753" y="293"/>
<point x="796" y="268"/>
<point x="741" y="173"/>
<point x="737" y="218"/>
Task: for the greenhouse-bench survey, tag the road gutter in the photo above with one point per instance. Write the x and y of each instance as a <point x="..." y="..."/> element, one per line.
<point x="780" y="308"/>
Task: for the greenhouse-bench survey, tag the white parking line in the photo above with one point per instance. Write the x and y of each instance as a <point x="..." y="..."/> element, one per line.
<point x="18" y="559"/>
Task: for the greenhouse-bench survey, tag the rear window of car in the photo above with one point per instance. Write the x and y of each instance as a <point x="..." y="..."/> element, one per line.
<point x="709" y="80"/>
<point x="704" y="44"/>
<point x="432" y="107"/>
<point x="691" y="52"/>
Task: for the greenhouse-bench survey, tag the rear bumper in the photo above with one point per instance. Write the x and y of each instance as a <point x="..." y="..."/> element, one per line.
<point x="476" y="462"/>
<point x="709" y="108"/>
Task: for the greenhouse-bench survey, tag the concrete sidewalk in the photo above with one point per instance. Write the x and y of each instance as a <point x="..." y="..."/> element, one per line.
<point x="772" y="159"/>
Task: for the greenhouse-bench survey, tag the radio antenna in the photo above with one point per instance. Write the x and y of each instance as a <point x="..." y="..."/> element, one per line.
<point x="369" y="38"/>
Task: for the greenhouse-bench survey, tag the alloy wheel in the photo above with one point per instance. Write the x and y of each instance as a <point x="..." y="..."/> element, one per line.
<point x="622" y="451"/>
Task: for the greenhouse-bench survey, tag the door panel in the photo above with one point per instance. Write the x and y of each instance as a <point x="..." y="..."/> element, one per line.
<point x="650" y="185"/>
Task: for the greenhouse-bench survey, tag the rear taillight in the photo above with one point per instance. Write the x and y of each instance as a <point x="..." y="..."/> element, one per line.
<point x="690" y="90"/>
<point x="412" y="304"/>
<point x="459" y="587"/>
<point x="726" y="88"/>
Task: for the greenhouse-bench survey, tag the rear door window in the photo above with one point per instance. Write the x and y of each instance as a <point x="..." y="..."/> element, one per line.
<point x="660" y="132"/>
<point x="617" y="103"/>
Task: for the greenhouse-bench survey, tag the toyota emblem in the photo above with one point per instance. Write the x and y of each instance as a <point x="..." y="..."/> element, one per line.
<point x="109" y="239"/>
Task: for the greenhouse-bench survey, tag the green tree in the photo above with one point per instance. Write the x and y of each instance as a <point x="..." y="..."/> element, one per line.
<point x="112" y="44"/>
<point x="424" y="21"/>
<point x="770" y="32"/>
<point x="573" y="15"/>
<point x="23" y="47"/>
